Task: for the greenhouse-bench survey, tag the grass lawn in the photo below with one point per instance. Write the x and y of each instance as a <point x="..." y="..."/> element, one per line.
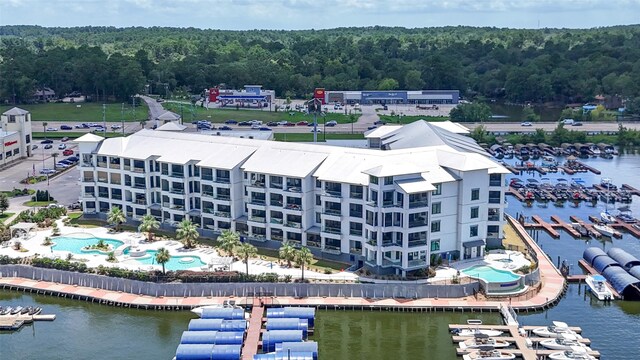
<point x="221" y="115"/>
<point x="86" y="112"/>
<point x="18" y="192"/>
<point x="308" y="137"/>
<point x="5" y="215"/>
<point x="409" y="119"/>
<point x="38" y="203"/>
<point x="318" y="265"/>
<point x="71" y="134"/>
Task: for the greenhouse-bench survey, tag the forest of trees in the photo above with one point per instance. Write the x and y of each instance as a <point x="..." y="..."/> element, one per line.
<point x="546" y="65"/>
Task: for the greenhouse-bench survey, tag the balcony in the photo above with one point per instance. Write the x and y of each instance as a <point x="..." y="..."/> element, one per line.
<point x="334" y="194"/>
<point x="222" y="214"/>
<point x="177" y="191"/>
<point x="418" y="204"/>
<point x="222" y="180"/>
<point x="294" y="189"/>
<point x="355" y="195"/>
<point x="276" y="203"/>
<point x="207" y="177"/>
<point x="116" y="197"/>
<point x="223" y="197"/>
<point x="355" y="232"/>
<point x="390" y="204"/>
<point x="372" y="242"/>
<point x="372" y="204"/>
<point x="332" y="230"/>
<point x="355" y="251"/>
<point x="276" y="237"/>
<point x="493" y="218"/>
<point x="418" y="243"/>
<point x="332" y="249"/>
<point x="332" y="212"/>
<point x="114" y="166"/>
<point x="177" y="207"/>
<point x="141" y="201"/>
<point x="103" y="194"/>
<point x="139" y="186"/>
<point x="418" y="223"/>
<point x="89" y="194"/>
<point x="88" y="179"/>
<point x="138" y="170"/>
<point x="257" y="202"/>
<point x="207" y="194"/>
<point x="417" y="263"/>
<point x="293" y="207"/>
<point x="295" y="225"/>
<point x="208" y="210"/>
<point x="259" y="219"/>
<point x="276" y="221"/>
<point x="258" y="184"/>
<point x="314" y="243"/>
<point x="492" y="235"/>
<point x="115" y="182"/>
<point x="388" y="262"/>
<point x="178" y="175"/>
<point x="102" y="180"/>
<point x="391" y="243"/>
<point x="102" y="164"/>
<point x="277" y="186"/>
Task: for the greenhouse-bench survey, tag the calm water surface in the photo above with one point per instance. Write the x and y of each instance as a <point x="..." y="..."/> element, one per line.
<point x="89" y="331"/>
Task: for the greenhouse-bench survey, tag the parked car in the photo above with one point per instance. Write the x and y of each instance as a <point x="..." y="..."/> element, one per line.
<point x="256" y="127"/>
<point x="244" y="123"/>
<point x="265" y="128"/>
<point x="567" y="121"/>
<point x="79" y="127"/>
<point x="379" y="122"/>
<point x="65" y="127"/>
<point x="116" y="127"/>
<point x="64" y="139"/>
<point x="283" y="123"/>
<point x="33" y="147"/>
<point x="371" y="127"/>
<point x="302" y="123"/>
<point x="331" y="123"/>
<point x="67" y="152"/>
<point x="73" y="158"/>
<point x="159" y="100"/>
<point x="272" y="123"/>
<point x="60" y="164"/>
<point x="62" y="147"/>
<point x="47" y="171"/>
<point x="48" y="146"/>
<point x="52" y="129"/>
<point x="577" y="123"/>
<point x="230" y="122"/>
<point x="75" y="206"/>
<point x="99" y="129"/>
<point x="290" y="124"/>
<point x="316" y="130"/>
<point x="203" y="127"/>
<point x="46" y="141"/>
<point x="225" y="127"/>
<point x="526" y="123"/>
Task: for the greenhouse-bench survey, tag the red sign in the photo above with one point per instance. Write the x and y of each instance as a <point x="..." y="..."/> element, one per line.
<point x="9" y="143"/>
<point x="213" y="94"/>
<point x="319" y="94"/>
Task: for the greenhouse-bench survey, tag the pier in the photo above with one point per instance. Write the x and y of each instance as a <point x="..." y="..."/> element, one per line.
<point x="557" y="223"/>
<point x="15" y="322"/>
<point x="589" y="269"/>
<point x="631" y="189"/>
<point x="252" y="341"/>
<point x="590" y="168"/>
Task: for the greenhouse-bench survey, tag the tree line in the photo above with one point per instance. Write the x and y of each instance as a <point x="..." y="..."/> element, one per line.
<point x="518" y="65"/>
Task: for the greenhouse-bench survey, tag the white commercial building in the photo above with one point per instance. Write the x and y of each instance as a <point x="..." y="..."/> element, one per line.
<point x="392" y="210"/>
<point x="15" y="135"/>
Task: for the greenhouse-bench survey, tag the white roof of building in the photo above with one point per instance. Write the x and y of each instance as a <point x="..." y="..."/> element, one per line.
<point x="381" y="131"/>
<point x="15" y="111"/>
<point x="171" y="126"/>
<point x="328" y="163"/>
<point x="415" y="186"/>
<point x="89" y="137"/>
<point x="168" y="116"/>
<point x="451" y="126"/>
<point x="247" y="134"/>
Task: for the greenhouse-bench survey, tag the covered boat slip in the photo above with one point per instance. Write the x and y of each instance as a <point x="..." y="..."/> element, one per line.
<point x="620" y="268"/>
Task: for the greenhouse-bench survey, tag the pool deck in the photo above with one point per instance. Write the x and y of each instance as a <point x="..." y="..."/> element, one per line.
<point x="552" y="287"/>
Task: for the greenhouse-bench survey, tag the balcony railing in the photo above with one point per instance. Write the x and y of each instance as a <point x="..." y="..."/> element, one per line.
<point x="356" y="214"/>
<point x="388" y="262"/>
<point x="102" y="164"/>
<point x="295" y="225"/>
<point x="177" y="191"/>
<point x="258" y="184"/>
<point x="372" y="242"/>
<point x="88" y="179"/>
<point x="332" y="193"/>
<point x="276" y="221"/>
<point x="207" y="177"/>
<point x="276" y="237"/>
<point x="294" y="189"/>
<point x="222" y="180"/>
<point x="207" y="193"/>
<point x="333" y="212"/>
<point x="293" y="207"/>
<point x="355" y="195"/>
<point x="116" y="182"/>
<point x="275" y="186"/>
<point x="493" y="218"/>
<point x="259" y="219"/>
<point x="127" y="167"/>
<point x="492" y="235"/>
<point x="372" y="204"/>
<point x="390" y="204"/>
<point x="208" y="210"/>
<point x="222" y="214"/>
<point x="391" y="243"/>
<point x="355" y="232"/>
<point x="177" y="207"/>
<point x="257" y="202"/>
<point x="418" y="204"/>
<point x="313" y="243"/>
<point x="419" y="262"/>
<point x="355" y="251"/>
<point x="493" y="200"/>
<point x="114" y="166"/>
<point x="102" y="180"/>
<point x="116" y="197"/>
<point x="141" y="201"/>
<point x="417" y="243"/>
<point x="419" y="223"/>
<point x="332" y="249"/>
<point x="332" y="230"/>
<point x="223" y="197"/>
<point x="138" y="170"/>
<point x="179" y="175"/>
<point x="276" y="203"/>
<point x="89" y="194"/>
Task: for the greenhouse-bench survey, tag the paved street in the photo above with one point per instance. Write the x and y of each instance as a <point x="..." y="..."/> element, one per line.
<point x="610" y="126"/>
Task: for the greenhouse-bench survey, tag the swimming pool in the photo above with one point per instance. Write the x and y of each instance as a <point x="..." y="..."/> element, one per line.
<point x="75" y="244"/>
<point x="175" y="263"/>
<point x="491" y="275"/>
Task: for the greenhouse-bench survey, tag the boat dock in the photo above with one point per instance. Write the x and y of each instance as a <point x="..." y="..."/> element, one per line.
<point x="15" y="322"/>
<point x="592" y="232"/>
<point x="631" y="189"/>
<point x="590" y="168"/>
<point x="252" y="341"/>
<point x="589" y="269"/>
<point x="557" y="223"/>
<point x="526" y="347"/>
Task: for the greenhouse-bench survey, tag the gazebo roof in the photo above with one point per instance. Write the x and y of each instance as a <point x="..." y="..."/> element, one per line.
<point x="23" y="226"/>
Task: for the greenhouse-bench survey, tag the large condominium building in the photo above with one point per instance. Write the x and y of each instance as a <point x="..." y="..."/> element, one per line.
<point x="392" y="210"/>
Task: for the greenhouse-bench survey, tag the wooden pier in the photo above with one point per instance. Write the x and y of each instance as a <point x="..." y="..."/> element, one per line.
<point x="252" y="341"/>
<point x="631" y="189"/>
<point x="538" y="222"/>
<point x="617" y="225"/>
<point x="593" y="232"/>
<point x="589" y="269"/>
<point x="558" y="223"/>
<point x="15" y="322"/>
<point x="566" y="226"/>
<point x="592" y="169"/>
<point x="523" y="344"/>
<point x="513" y="191"/>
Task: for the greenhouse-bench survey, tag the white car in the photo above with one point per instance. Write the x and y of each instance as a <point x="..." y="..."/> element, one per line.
<point x="62" y="165"/>
<point x="283" y="123"/>
<point x="52" y="129"/>
<point x="116" y="127"/>
<point x="255" y="127"/>
<point x="47" y="171"/>
<point x="317" y="130"/>
<point x="526" y="123"/>
<point x="62" y="147"/>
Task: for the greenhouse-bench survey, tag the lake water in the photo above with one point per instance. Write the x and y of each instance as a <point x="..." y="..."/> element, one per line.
<point x="504" y="112"/>
<point x="84" y="330"/>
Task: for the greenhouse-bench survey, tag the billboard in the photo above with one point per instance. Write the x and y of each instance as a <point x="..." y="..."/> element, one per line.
<point x="213" y="94"/>
<point x="319" y="94"/>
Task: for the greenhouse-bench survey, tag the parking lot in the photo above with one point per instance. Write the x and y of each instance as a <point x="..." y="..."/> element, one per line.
<point x="63" y="187"/>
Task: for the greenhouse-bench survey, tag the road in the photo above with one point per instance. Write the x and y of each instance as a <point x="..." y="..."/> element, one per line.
<point x="610" y="126"/>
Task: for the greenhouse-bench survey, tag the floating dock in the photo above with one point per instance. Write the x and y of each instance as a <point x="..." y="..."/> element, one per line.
<point x="252" y="341"/>
<point x="15" y="322"/>
<point x="557" y="223"/>
<point x="588" y="268"/>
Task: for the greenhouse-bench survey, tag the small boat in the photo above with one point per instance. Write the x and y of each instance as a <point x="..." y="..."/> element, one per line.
<point x="554" y="330"/>
<point x="548" y="161"/>
<point x="476" y="332"/>
<point x="6" y="311"/>
<point x="35" y="310"/>
<point x="605" y="230"/>
<point x="607" y="218"/>
<point x="488" y="354"/>
<point x="564" y="342"/>
<point x="16" y="310"/>
<point x="482" y="340"/>
<point x="576" y="353"/>
<point x="580" y="229"/>
<point x="598" y="286"/>
<point x="25" y="310"/>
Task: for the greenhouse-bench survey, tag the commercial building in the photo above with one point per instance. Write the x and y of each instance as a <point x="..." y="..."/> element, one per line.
<point x="251" y="96"/>
<point x="433" y="97"/>
<point x="393" y="210"/>
<point x="15" y="135"/>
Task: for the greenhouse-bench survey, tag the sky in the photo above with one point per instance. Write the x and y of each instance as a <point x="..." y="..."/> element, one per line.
<point x="320" y="14"/>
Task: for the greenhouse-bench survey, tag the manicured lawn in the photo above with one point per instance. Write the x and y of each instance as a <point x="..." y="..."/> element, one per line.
<point x="18" y="192"/>
<point x="71" y="134"/>
<point x="308" y="137"/>
<point x="86" y="112"/>
<point x="318" y="265"/>
<point x="409" y="119"/>
<point x="5" y="215"/>
<point x="190" y="114"/>
<point x="38" y="203"/>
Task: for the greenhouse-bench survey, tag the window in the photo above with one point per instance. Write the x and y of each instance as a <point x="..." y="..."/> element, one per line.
<point x="475" y="212"/>
<point x="438" y="190"/>
<point x="436" y="208"/>
<point x="435" y="226"/>
<point x="475" y="194"/>
<point x="435" y="245"/>
<point x="373" y="179"/>
<point x="12" y="118"/>
<point x="318" y="200"/>
<point x="355" y="210"/>
<point x="318" y="184"/>
<point x="473" y="230"/>
<point x="28" y="139"/>
<point x="388" y="180"/>
<point x="355" y="229"/>
<point x="355" y="192"/>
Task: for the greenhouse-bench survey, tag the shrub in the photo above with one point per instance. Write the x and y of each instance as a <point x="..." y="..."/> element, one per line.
<point x="111" y="257"/>
<point x="55" y="230"/>
<point x="287" y="278"/>
<point x="42" y="195"/>
<point x="328" y="271"/>
<point x="47" y="241"/>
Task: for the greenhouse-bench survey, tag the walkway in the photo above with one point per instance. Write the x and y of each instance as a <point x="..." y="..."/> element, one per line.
<point x="250" y="346"/>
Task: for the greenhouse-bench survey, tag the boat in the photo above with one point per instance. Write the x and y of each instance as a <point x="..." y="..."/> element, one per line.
<point x="476" y="332"/>
<point x="226" y="304"/>
<point x="482" y="340"/>
<point x="605" y="230"/>
<point x="25" y="310"/>
<point x="625" y="215"/>
<point x="35" y="310"/>
<point x="564" y="342"/>
<point x="576" y="352"/>
<point x="7" y="310"/>
<point x="554" y="330"/>
<point x="548" y="161"/>
<point x="16" y="310"/>
<point x="607" y="218"/>
<point x="598" y="286"/>
<point x="581" y="229"/>
<point x="488" y="354"/>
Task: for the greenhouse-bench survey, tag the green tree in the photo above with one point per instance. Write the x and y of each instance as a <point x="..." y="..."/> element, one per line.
<point x="245" y="252"/>
<point x="116" y="217"/>
<point x="4" y="203"/>
<point x="229" y="240"/>
<point x="474" y="112"/>
<point x="303" y="258"/>
<point x="162" y="257"/>
<point x="528" y="114"/>
<point x="287" y="253"/>
<point x="148" y="224"/>
<point x="388" y="84"/>
<point x="44" y="128"/>
<point x="413" y="80"/>
<point x="187" y="232"/>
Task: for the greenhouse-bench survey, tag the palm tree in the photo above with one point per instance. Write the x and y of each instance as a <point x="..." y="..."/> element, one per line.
<point x="287" y="253"/>
<point x="187" y="232"/>
<point x="303" y="258"/>
<point x="116" y="217"/>
<point x="246" y="251"/>
<point x="229" y="240"/>
<point x="162" y="257"/>
<point x="147" y="225"/>
<point x="54" y="156"/>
